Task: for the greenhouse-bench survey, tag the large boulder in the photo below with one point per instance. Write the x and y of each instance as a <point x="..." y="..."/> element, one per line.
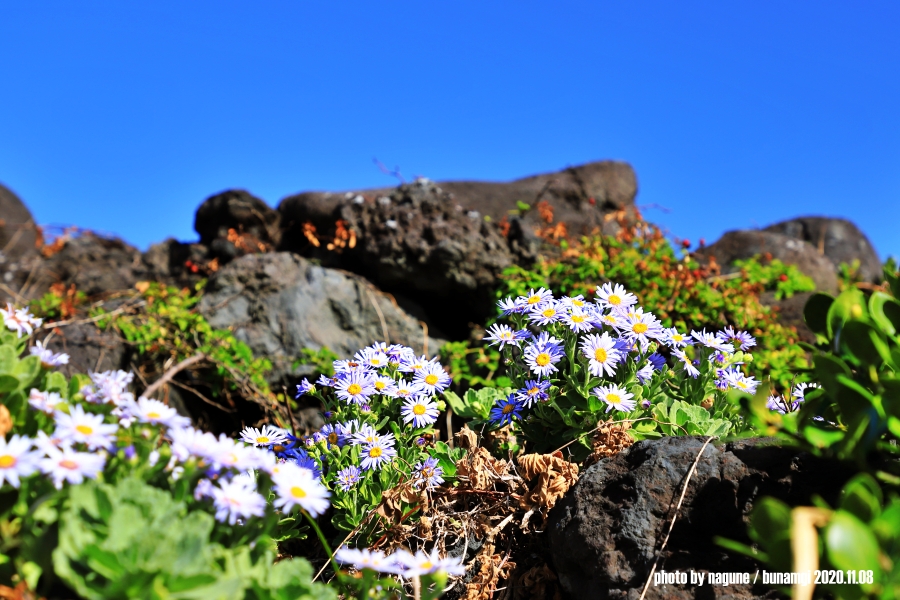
<point x="838" y="239"/>
<point x="18" y="233"/>
<point x="280" y="303"/>
<point x="416" y="243"/>
<point x="746" y="243"/>
<point x="94" y="264"/>
<point x="605" y="534"/>
<point x="443" y="245"/>
<point x="235" y="222"/>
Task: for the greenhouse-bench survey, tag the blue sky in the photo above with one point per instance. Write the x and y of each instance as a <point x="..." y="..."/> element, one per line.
<point x="123" y="116"/>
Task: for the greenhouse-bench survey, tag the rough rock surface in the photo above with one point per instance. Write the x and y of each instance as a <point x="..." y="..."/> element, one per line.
<point x="94" y="264"/>
<point x="838" y="239"/>
<point x="604" y="535"/>
<point x="89" y="349"/>
<point x="17" y="229"/>
<point x="746" y="243"/>
<point x="443" y="245"/>
<point x="241" y="212"/>
<point x="280" y="303"/>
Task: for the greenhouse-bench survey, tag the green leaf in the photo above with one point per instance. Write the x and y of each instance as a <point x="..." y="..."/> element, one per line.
<point x="8" y="383"/>
<point x="459" y="407"/>
<point x="815" y="313"/>
<point x="8" y="358"/>
<point x="27" y="370"/>
<point x="851" y="304"/>
<point x="862" y="498"/>
<point x="885" y="311"/>
<point x="851" y="544"/>
<point x="865" y="343"/>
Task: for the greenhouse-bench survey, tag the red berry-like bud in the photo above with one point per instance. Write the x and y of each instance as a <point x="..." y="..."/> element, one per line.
<point x="686" y="243"/>
<point x="782" y="277"/>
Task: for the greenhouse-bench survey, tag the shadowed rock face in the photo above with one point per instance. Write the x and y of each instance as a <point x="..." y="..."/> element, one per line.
<point x="443" y="245"/>
<point x="605" y="533"/>
<point x="746" y="243"/>
<point x="838" y="239"/>
<point x="280" y="303"/>
<point x="242" y="212"/>
<point x="17" y="232"/>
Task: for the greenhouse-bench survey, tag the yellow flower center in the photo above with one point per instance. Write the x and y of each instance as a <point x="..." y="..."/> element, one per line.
<point x="509" y="408"/>
<point x="7" y="461"/>
<point x="278" y="448"/>
<point x="84" y="429"/>
<point x="548" y="312"/>
<point x="380" y="385"/>
<point x="577" y="303"/>
<point x="298" y="492"/>
<point x="354" y="388"/>
<point x="742" y="385"/>
<point x="68" y="464"/>
<point x="534" y="299"/>
<point x="426" y="565"/>
<point x="262" y="440"/>
<point x="677" y="337"/>
<point x="614" y="300"/>
<point x="153" y="415"/>
<point x="332" y="438"/>
<point x="577" y="319"/>
<point x="431" y="379"/>
<point x="639" y="328"/>
<point x="613" y="398"/>
<point x="533" y="391"/>
<point x="542" y="359"/>
<point x="600" y="355"/>
<point x="418" y="409"/>
<point x="375" y="452"/>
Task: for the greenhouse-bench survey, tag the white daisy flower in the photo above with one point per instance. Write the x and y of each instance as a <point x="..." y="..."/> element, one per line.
<point x="422" y="563"/>
<point x="147" y="410"/>
<point x="266" y="436"/>
<point x="419" y="411"/>
<point x="615" y="296"/>
<point x="16" y="459"/>
<point x="237" y="499"/>
<point x="295" y="487"/>
<point x="49" y="359"/>
<point x="367" y="559"/>
<point x="601" y="353"/>
<point x="85" y="428"/>
<point x="46" y="402"/>
<point x="64" y="464"/>
<point x="615" y="397"/>
<point x="188" y="442"/>
<point x="19" y="320"/>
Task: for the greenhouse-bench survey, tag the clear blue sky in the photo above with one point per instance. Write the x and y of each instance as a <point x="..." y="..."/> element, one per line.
<point x="123" y="116"/>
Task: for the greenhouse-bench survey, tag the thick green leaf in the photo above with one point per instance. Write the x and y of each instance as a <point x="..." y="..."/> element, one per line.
<point x="885" y="311"/>
<point x="851" y="544"/>
<point x="8" y="358"/>
<point x="27" y="370"/>
<point x="851" y="304"/>
<point x="865" y="342"/>
<point x="862" y="498"/>
<point x="8" y="383"/>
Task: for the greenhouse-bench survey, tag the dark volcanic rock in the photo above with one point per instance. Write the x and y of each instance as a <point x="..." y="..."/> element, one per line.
<point x="416" y="242"/>
<point x="89" y="349"/>
<point x="605" y="534"/>
<point x="280" y="303"/>
<point x="444" y="244"/>
<point x="246" y="214"/>
<point x="94" y="264"/>
<point x="838" y="239"/>
<point x="17" y="229"/>
<point x="749" y="242"/>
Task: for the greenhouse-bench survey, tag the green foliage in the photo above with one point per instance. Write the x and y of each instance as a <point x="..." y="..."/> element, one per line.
<point x="168" y="327"/>
<point x="854" y="417"/>
<point x="860" y="540"/>
<point x="321" y="360"/>
<point x="131" y="540"/>
<point x="476" y="405"/>
<point x="472" y="367"/>
<point x="784" y="280"/>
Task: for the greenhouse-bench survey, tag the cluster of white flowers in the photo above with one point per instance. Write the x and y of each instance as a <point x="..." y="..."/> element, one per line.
<point x="401" y="562"/>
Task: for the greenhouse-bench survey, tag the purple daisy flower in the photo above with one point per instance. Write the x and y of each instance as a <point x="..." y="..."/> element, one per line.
<point x="505" y="411"/>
